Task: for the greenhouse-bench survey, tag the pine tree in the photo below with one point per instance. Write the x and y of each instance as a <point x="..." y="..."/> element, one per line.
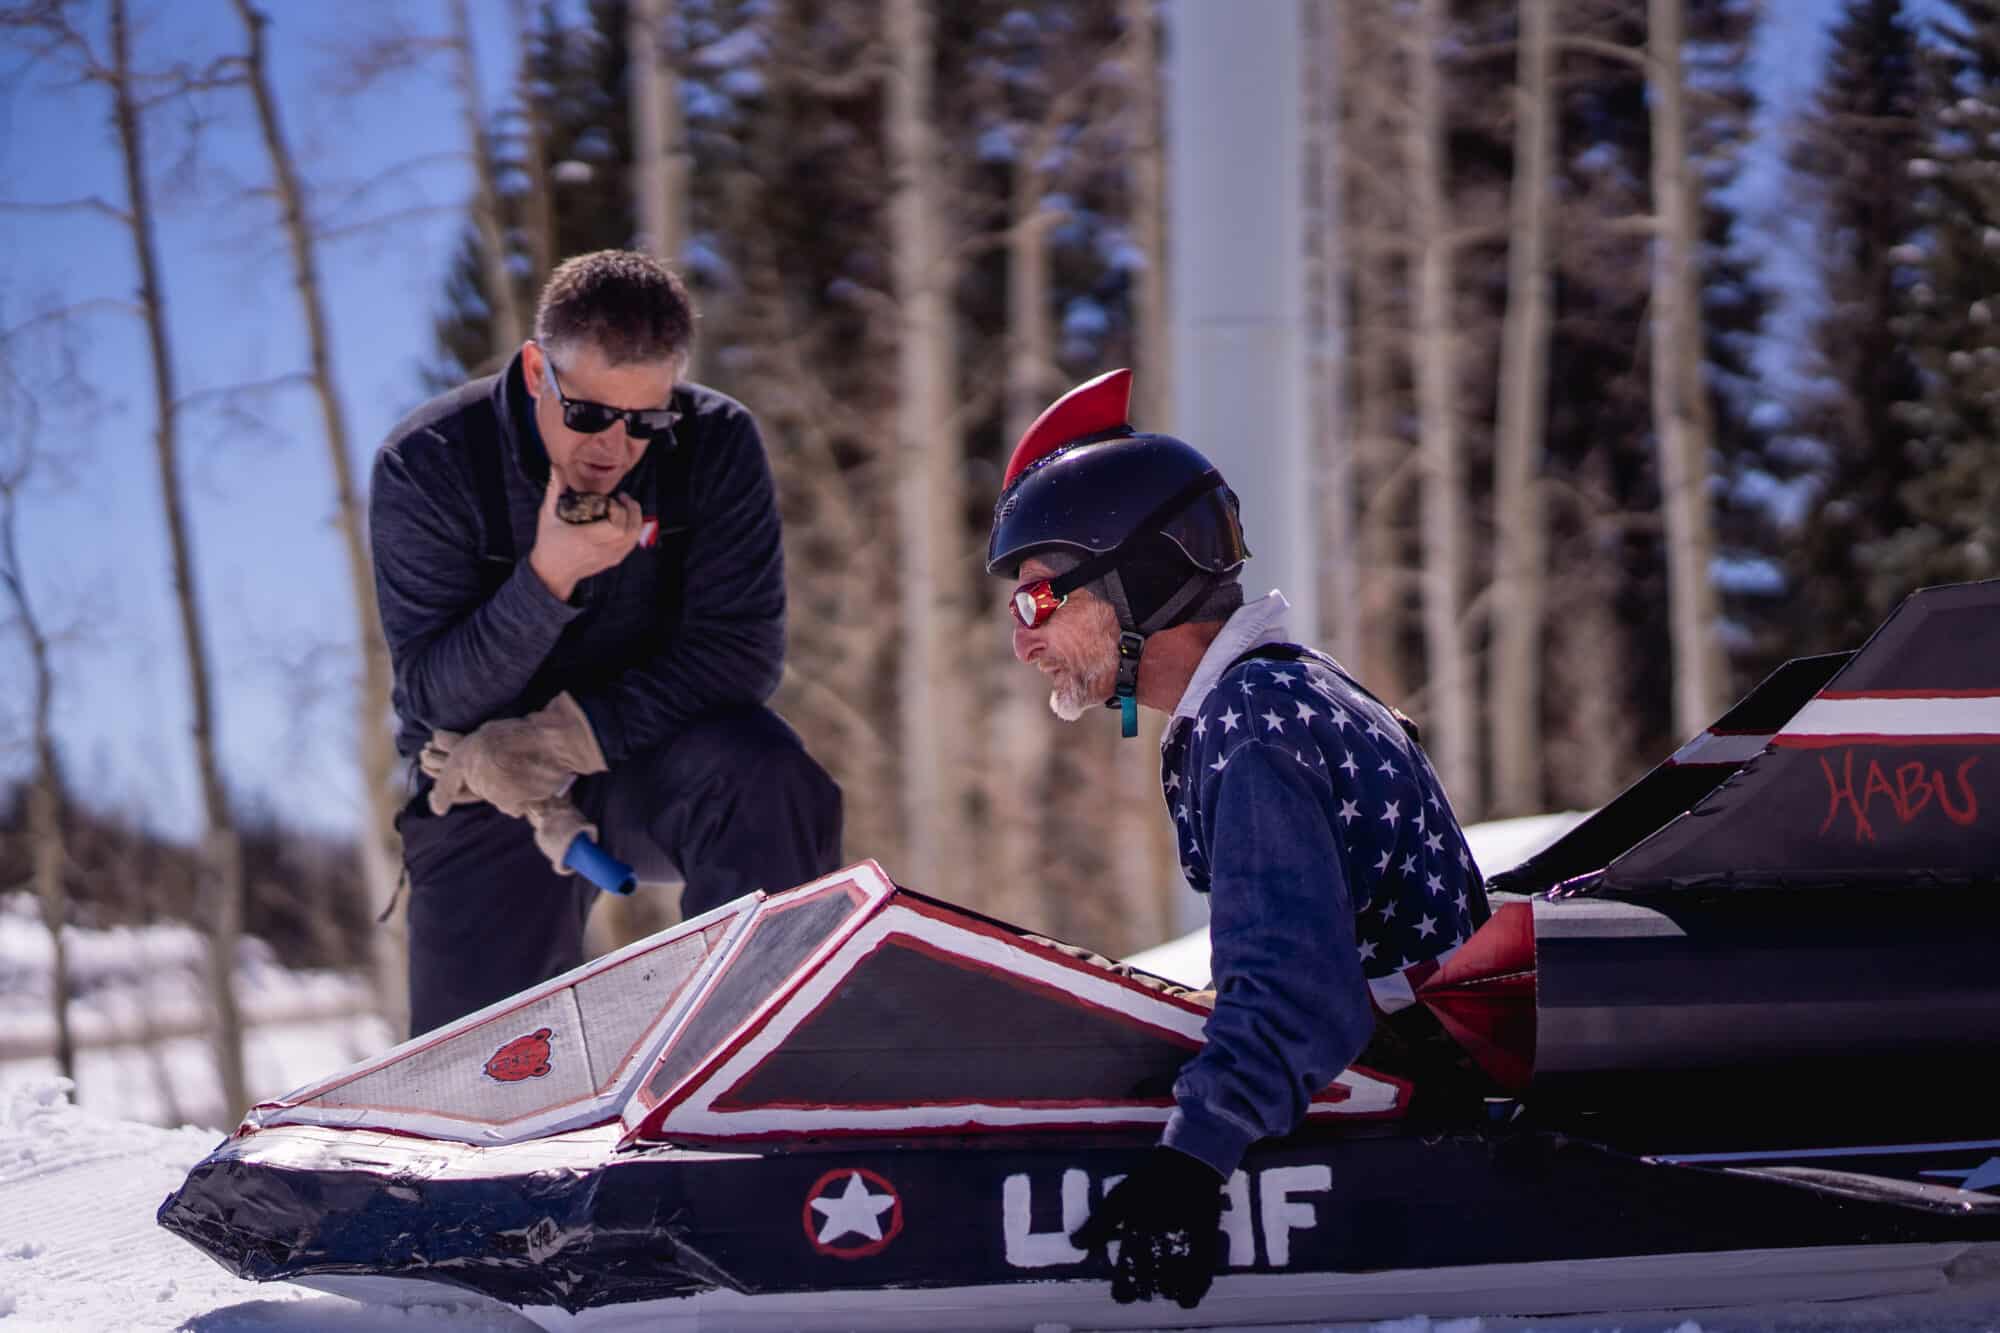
<point x="1954" y="489"/>
<point x="1864" y="132"/>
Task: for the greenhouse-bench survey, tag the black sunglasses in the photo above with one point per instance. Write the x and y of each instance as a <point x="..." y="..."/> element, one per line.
<point x="641" y="423"/>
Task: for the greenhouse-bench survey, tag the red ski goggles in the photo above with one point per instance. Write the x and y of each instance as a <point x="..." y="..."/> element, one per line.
<point x="1033" y="603"/>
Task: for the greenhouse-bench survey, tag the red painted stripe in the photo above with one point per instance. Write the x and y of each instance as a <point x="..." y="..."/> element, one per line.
<point x="1908" y="694"/>
<point x="1797" y="742"/>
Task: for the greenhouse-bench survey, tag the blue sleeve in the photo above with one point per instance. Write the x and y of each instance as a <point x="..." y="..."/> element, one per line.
<point x="1291" y="1005"/>
<point x="460" y="656"/>
<point x="730" y="645"/>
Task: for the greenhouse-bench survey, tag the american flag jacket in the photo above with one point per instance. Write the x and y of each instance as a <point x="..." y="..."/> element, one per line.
<point x="1336" y="873"/>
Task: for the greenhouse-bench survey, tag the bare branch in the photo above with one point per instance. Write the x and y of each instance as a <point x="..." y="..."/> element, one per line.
<point x="234" y="391"/>
<point x="92" y="204"/>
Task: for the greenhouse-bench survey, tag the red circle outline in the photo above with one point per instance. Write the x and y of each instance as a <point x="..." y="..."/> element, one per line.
<point x="873" y="1247"/>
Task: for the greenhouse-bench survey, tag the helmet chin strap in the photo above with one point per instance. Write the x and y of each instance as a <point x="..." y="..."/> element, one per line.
<point x="1132" y="642"/>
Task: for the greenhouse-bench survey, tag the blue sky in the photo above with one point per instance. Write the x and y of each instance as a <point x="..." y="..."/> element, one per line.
<point x="270" y="568"/>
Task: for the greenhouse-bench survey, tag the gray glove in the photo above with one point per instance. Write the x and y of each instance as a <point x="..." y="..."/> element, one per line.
<point x="513" y="762"/>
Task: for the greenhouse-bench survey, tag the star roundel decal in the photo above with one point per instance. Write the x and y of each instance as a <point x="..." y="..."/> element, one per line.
<point x="852" y="1213"/>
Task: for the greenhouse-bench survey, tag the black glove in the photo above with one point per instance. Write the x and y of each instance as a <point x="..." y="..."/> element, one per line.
<point x="1165" y="1217"/>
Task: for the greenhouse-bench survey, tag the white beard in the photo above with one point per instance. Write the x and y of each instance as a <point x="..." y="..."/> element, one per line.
<point x="1071" y="696"/>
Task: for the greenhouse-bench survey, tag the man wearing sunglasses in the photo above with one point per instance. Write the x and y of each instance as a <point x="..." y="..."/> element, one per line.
<point x="1303" y="807"/>
<point x="578" y="568"/>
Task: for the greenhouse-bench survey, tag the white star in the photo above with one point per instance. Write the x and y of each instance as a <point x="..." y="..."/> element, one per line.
<point x="1427" y="926"/>
<point x="1306" y="711"/>
<point x="1367" y="950"/>
<point x="1388" y="768"/>
<point x="1281" y="677"/>
<point x="856" y="1212"/>
<point x="1432" y="801"/>
<point x="1409" y="865"/>
<point x="1303" y="760"/>
<point x="1181" y="811"/>
<point x="1173" y="782"/>
<point x="1248" y="687"/>
<point x="1461" y="900"/>
<point x="1464" y="861"/>
<point x="1272" y="720"/>
<point x="1201" y="726"/>
<point x="1390" y="814"/>
<point x="1420" y="819"/>
<point x="1436" y="883"/>
<point x="1405" y="965"/>
<point x="1349" y="812"/>
<point x="1434" y="843"/>
<point x="1389" y="913"/>
<point x="1341" y="719"/>
<point x="1229" y="721"/>
<point x="1348" y="765"/>
<point x="1221" y="762"/>
<point x="1375" y="733"/>
<point x="1383" y="864"/>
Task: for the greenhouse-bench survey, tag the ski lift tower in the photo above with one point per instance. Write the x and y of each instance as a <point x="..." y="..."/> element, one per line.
<point x="1237" y="278"/>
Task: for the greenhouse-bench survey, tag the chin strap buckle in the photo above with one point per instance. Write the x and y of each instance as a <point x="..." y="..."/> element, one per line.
<point x="1125" y="698"/>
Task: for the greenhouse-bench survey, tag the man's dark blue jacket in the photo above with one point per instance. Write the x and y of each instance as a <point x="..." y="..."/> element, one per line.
<point x="1335" y="869"/>
<point x="692" y="624"/>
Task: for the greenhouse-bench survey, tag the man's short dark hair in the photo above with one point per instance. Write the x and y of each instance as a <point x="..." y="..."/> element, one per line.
<point x="628" y="305"/>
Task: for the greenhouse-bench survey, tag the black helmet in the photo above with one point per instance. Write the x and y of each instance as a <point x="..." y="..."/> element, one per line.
<point x="1147" y="513"/>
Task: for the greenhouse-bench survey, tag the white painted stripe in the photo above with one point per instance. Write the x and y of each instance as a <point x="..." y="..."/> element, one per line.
<point x="1688" y="1281"/>
<point x="1720" y="748"/>
<point x="1800" y="1154"/>
<point x="1896" y="717"/>
<point x="1599" y="918"/>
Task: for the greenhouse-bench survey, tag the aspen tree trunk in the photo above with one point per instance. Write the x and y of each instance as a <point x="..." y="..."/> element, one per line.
<point x="1515" y="682"/>
<point x="1678" y="412"/>
<point x="509" y="328"/>
<point x="1339" y="629"/>
<point x="661" y="160"/>
<point x="1019" y="731"/>
<point x="45" y="831"/>
<point x="381" y="848"/>
<point x="1156" y="851"/>
<point x="1368" y="61"/>
<point x="540" y="203"/>
<point x="1434" y="352"/>
<point x="928" y="458"/>
<point x="222" y="863"/>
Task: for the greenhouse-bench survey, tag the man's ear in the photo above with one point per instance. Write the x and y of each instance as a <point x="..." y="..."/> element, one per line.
<point x="534" y="367"/>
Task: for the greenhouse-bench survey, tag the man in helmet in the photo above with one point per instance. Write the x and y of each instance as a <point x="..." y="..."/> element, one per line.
<point x="1304" y="807"/>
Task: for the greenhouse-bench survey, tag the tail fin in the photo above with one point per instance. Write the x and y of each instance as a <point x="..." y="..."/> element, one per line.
<point x="1679" y="781"/>
<point x="1888" y="775"/>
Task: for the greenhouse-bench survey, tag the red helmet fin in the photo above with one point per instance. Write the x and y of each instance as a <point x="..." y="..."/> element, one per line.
<point x="1094" y="405"/>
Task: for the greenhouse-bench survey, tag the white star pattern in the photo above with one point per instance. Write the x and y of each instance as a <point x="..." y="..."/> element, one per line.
<point x="1418" y="901"/>
<point x="855" y="1213"/>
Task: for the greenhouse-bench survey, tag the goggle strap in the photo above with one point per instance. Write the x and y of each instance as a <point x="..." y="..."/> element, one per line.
<point x="1064" y="585"/>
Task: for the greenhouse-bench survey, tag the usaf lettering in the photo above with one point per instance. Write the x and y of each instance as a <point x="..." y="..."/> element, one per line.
<point x="1274" y="1189"/>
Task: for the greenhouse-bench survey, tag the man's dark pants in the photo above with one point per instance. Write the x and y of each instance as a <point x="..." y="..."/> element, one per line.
<point x="732" y="805"/>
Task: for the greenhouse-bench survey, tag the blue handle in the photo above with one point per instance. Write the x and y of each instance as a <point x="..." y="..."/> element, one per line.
<point x="598" y="866"/>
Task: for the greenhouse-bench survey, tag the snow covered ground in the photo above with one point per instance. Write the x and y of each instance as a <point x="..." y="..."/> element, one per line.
<point x="83" y="1170"/>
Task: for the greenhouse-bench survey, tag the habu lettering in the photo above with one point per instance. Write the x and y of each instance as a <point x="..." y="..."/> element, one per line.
<point x="1274" y="1193"/>
<point x="1906" y="790"/>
